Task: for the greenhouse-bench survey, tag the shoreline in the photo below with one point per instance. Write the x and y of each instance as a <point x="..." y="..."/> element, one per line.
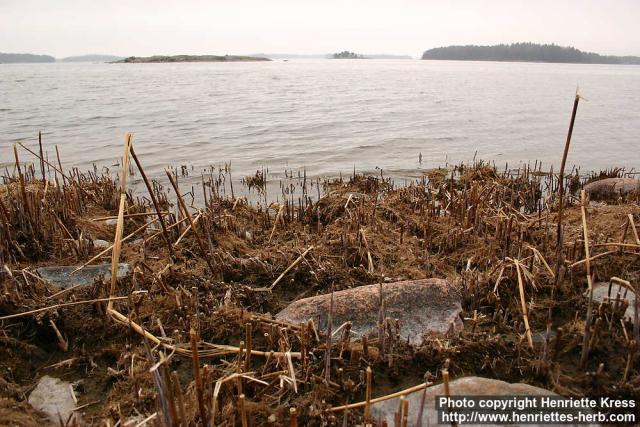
<point x="487" y="235"/>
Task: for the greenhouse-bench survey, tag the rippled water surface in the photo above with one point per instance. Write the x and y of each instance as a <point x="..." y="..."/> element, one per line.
<point x="325" y="115"/>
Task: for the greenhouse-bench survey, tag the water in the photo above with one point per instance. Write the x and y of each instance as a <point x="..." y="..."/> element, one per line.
<point x="325" y="115"/>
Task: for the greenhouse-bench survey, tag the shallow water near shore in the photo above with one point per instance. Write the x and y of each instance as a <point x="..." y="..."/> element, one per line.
<point x="325" y="115"/>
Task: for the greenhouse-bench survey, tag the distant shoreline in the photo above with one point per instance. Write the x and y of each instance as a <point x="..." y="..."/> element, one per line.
<point x="526" y="52"/>
<point x="157" y="59"/>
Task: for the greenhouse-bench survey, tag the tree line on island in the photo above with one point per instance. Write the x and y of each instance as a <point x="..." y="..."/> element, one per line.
<point x="528" y="52"/>
<point x="345" y="54"/>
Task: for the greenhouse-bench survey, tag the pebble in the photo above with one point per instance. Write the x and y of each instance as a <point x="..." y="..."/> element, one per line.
<point x="54" y="397"/>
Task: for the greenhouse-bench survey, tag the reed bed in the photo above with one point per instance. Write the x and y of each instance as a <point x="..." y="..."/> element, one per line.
<point x="189" y="338"/>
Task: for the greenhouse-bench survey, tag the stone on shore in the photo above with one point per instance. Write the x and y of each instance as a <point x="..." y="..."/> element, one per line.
<point x="101" y="244"/>
<point x="421" y="306"/>
<point x="61" y="275"/>
<point x="53" y="397"/>
<point x="612" y="187"/>
<point x="466" y="386"/>
<point x="601" y="293"/>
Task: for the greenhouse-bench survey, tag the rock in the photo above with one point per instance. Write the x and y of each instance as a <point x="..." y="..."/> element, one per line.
<point x="421" y="306"/>
<point x="541" y="337"/>
<point x="467" y="386"/>
<point x="111" y="222"/>
<point x="101" y="244"/>
<point x="61" y="275"/>
<point x="53" y="397"/>
<point x="611" y="187"/>
<point x="601" y="293"/>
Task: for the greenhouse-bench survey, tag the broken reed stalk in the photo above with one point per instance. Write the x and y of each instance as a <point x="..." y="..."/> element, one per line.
<point x="633" y="229"/>
<point x="397" y="416"/>
<point x="523" y="304"/>
<point x="23" y="190"/>
<point x="172" y="226"/>
<point x="171" y="398"/>
<point x="197" y="376"/>
<point x="177" y="391"/>
<point x="242" y="409"/>
<point x="284" y="273"/>
<point x="367" y="408"/>
<point x="146" y="420"/>
<point x="132" y="215"/>
<point x="217" y="349"/>
<point x="327" y="357"/>
<point x="636" y="315"/>
<point x="117" y="241"/>
<point x="381" y="398"/>
<point x="55" y="306"/>
<point x="154" y="200"/>
<point x="44" y="177"/>
<point x="423" y="399"/>
<point x="275" y="222"/>
<point x="370" y="268"/>
<point x="293" y="417"/>
<point x="585" y="234"/>
<point x="587" y="254"/>
<point x="561" y="189"/>
<point x="405" y="413"/>
<point x="601" y="255"/>
<point x="124" y="239"/>
<point x="41" y="159"/>
<point x="249" y="341"/>
<point x="184" y="233"/>
<point x="447" y="391"/>
<point x="57" y="169"/>
<point x="186" y="213"/>
<point x="216" y="390"/>
<point x="64" y="178"/>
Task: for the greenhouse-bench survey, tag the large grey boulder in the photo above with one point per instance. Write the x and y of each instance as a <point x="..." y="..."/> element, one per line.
<point x="53" y="397"/>
<point x="611" y="187"/>
<point x="421" y="306"/>
<point x="466" y="386"/>
<point x="61" y="275"/>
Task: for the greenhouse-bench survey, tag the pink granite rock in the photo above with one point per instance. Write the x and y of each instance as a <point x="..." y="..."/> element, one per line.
<point x="421" y="306"/>
<point x="466" y="386"/>
<point x="611" y="187"/>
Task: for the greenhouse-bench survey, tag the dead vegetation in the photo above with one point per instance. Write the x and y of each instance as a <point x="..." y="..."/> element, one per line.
<point x="189" y="337"/>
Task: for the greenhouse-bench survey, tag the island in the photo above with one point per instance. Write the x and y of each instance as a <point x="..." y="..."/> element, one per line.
<point x="188" y="58"/>
<point x="92" y="58"/>
<point x="525" y="52"/>
<point x="24" y="58"/>
<point x="345" y="54"/>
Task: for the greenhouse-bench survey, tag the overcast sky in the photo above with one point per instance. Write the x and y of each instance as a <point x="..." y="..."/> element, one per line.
<point x="144" y="27"/>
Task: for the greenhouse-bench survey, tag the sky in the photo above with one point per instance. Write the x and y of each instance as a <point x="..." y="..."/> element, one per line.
<point x="145" y="27"/>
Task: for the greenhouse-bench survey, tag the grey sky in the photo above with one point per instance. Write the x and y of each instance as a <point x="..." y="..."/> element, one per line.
<point x="145" y="27"/>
